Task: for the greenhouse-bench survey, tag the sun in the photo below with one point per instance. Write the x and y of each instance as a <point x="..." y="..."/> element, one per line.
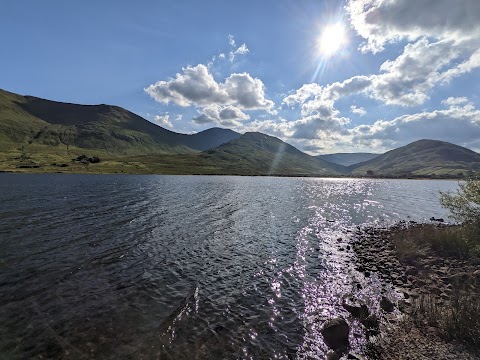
<point x="332" y="39"/>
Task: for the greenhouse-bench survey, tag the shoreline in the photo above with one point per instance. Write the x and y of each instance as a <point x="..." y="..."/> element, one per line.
<point x="428" y="283"/>
<point x="229" y="174"/>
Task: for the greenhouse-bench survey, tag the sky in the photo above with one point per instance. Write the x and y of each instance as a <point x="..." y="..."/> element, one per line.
<point x="326" y="76"/>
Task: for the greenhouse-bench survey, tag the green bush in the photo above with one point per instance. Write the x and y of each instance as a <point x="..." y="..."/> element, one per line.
<point x="465" y="203"/>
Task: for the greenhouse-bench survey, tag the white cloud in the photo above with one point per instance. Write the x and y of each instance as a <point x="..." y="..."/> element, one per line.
<point x="455" y="101"/>
<point x="385" y="21"/>
<point x="247" y="92"/>
<point x="360" y="111"/>
<point x="231" y="40"/>
<point x="405" y="81"/>
<point x="163" y="120"/>
<point x="241" y="50"/>
<point x="459" y="125"/>
<point x="229" y="115"/>
<point x="408" y="79"/>
<point x="306" y="92"/>
<point x="197" y="87"/>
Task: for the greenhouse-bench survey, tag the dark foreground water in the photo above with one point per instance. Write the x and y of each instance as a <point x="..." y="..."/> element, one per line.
<point x="184" y="267"/>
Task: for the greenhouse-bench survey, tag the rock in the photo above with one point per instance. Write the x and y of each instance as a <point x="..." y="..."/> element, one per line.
<point x="405" y="306"/>
<point x="435" y="219"/>
<point x="335" y="333"/>
<point x="371" y="323"/>
<point x="386" y="304"/>
<point x="411" y="270"/>
<point x="357" y="310"/>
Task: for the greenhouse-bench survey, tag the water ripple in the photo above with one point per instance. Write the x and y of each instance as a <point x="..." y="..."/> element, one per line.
<point x="146" y="267"/>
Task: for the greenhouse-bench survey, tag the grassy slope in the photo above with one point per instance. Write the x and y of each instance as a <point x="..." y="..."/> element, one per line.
<point x="422" y="158"/>
<point x="267" y="155"/>
<point x="38" y="135"/>
<point x="26" y="120"/>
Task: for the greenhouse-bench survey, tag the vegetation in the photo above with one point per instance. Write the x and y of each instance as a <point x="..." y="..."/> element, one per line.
<point x="457" y="319"/>
<point x="27" y="120"/>
<point x="455" y="241"/>
<point x="261" y="154"/>
<point x="465" y="203"/>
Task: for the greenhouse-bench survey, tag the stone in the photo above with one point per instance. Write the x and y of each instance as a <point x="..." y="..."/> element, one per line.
<point x="411" y="271"/>
<point x="357" y="310"/>
<point x="335" y="333"/>
<point x="386" y="304"/>
<point x="371" y="322"/>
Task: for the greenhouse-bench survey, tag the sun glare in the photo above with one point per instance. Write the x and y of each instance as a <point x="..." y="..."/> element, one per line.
<point x="332" y="39"/>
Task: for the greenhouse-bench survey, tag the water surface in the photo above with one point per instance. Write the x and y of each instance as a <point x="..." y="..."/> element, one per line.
<point x="145" y="267"/>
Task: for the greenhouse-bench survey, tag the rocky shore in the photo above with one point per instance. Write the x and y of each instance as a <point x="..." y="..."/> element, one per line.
<point x="426" y="280"/>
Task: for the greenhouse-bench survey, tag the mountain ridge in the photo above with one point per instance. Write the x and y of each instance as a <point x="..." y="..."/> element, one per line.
<point x="347" y="159"/>
<point x="105" y="127"/>
<point x="51" y="136"/>
<point x="421" y="158"/>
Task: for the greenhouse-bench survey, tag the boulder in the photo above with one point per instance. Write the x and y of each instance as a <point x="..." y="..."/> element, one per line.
<point x="386" y="304"/>
<point x="356" y="309"/>
<point x="335" y="333"/>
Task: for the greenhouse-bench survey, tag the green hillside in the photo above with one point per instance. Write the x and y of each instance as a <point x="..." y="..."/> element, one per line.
<point x="27" y="120"/>
<point x="423" y="158"/>
<point x="261" y="154"/>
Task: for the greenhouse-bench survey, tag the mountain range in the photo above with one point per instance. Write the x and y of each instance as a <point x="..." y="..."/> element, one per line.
<point x="48" y="136"/>
<point x="347" y="159"/>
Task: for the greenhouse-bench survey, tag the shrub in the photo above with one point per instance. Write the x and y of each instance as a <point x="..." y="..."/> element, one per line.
<point x="465" y="203"/>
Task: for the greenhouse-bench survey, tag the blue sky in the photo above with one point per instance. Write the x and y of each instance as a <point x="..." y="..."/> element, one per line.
<point x="401" y="71"/>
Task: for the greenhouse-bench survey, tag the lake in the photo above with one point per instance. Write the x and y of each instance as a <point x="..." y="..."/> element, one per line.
<point x="183" y="267"/>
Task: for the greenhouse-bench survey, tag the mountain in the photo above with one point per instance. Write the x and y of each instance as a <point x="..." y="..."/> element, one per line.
<point x="259" y="154"/>
<point x="210" y="138"/>
<point x="28" y="120"/>
<point x="347" y="159"/>
<point x="422" y="158"/>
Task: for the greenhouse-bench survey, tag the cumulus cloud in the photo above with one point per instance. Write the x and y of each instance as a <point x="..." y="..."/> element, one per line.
<point x="229" y="115"/>
<point x="360" y="111"/>
<point x="408" y="79"/>
<point x="457" y="124"/>
<point x="455" y="101"/>
<point x="197" y="87"/>
<point x="385" y="21"/>
<point x="163" y="120"/>
<point x="405" y="81"/>
<point x="306" y="92"/>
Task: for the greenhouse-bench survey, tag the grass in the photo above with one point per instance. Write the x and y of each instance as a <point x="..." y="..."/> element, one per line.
<point x="457" y="319"/>
<point x="461" y="241"/>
